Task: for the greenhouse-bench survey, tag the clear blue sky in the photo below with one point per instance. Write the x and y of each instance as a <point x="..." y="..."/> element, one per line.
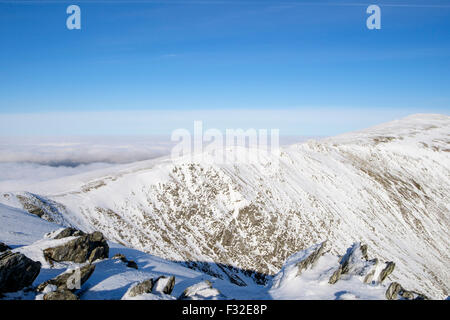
<point x="221" y="55"/>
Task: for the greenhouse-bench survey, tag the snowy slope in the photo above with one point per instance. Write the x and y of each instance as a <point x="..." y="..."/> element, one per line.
<point x="19" y="228"/>
<point x="386" y="186"/>
<point x="112" y="279"/>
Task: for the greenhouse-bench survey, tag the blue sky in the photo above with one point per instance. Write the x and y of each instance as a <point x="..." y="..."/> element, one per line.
<point x="229" y="63"/>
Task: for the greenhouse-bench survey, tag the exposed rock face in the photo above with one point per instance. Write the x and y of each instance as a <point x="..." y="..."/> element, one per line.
<point x="311" y="259"/>
<point x="396" y="292"/>
<point x="70" y="280"/>
<point x="4" y="247"/>
<point x="164" y="285"/>
<point x="42" y="207"/>
<point x="391" y="180"/>
<point x="201" y="291"/>
<point x="390" y="266"/>
<point x="17" y="271"/>
<point x="88" y="247"/>
<point x="356" y="262"/>
<point x="60" y="295"/>
<point x="69" y="232"/>
<point x="145" y="286"/>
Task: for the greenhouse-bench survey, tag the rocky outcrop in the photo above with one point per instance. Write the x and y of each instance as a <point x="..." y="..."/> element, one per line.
<point x="69" y="232"/>
<point x="17" y="271"/>
<point x="143" y="287"/>
<point x="201" y="291"/>
<point x="4" y="247"/>
<point x="311" y="259"/>
<point x="390" y="266"/>
<point x="69" y="280"/>
<point x="396" y="292"/>
<point x="356" y="262"/>
<point x="88" y="247"/>
<point x="60" y="295"/>
<point x="129" y="263"/>
<point x="164" y="284"/>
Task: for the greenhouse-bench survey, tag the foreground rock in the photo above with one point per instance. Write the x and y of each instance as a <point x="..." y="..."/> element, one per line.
<point x="17" y="271"/>
<point x="356" y="262"/>
<point x="164" y="284"/>
<point x="4" y="247"/>
<point x="201" y="291"/>
<point x="88" y="247"/>
<point x="70" y="280"/>
<point x="396" y="292"/>
<point x="143" y="287"/>
<point x="60" y="295"/>
<point x="310" y="260"/>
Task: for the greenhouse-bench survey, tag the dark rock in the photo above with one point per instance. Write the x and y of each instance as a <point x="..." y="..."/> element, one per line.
<point x="312" y="258"/>
<point x="120" y="256"/>
<point x="145" y="286"/>
<point x="164" y="285"/>
<point x="98" y="253"/>
<point x="355" y="262"/>
<point x="132" y="264"/>
<point x="17" y="271"/>
<point x="201" y="291"/>
<point x="396" y="292"/>
<point x="4" y="247"/>
<point x="363" y="249"/>
<point x="70" y="280"/>
<point x="390" y="266"/>
<point x="335" y="276"/>
<point x="393" y="290"/>
<point x="60" y="295"/>
<point x="84" y="248"/>
<point x="69" y="232"/>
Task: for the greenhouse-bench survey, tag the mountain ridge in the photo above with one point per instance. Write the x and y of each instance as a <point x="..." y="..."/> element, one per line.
<point x="386" y="186"/>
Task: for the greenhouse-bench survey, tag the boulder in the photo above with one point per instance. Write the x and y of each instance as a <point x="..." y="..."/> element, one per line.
<point x="120" y="256"/>
<point x="201" y="291"/>
<point x="311" y="259"/>
<point x="164" y="285"/>
<point x="396" y="292"/>
<point x="60" y="295"/>
<point x="143" y="287"/>
<point x="355" y="262"/>
<point x="130" y="263"/>
<point x="69" y="280"/>
<point x="17" y="271"/>
<point x="69" y="232"/>
<point x="4" y="247"/>
<point x="88" y="247"/>
<point x="390" y="266"/>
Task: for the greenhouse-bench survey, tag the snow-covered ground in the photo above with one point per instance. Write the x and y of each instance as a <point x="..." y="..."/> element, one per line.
<point x="386" y="186"/>
<point x="112" y="278"/>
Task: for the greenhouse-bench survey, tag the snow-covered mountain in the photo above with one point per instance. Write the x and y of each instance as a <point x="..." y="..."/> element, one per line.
<point x="27" y="273"/>
<point x="386" y="186"/>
